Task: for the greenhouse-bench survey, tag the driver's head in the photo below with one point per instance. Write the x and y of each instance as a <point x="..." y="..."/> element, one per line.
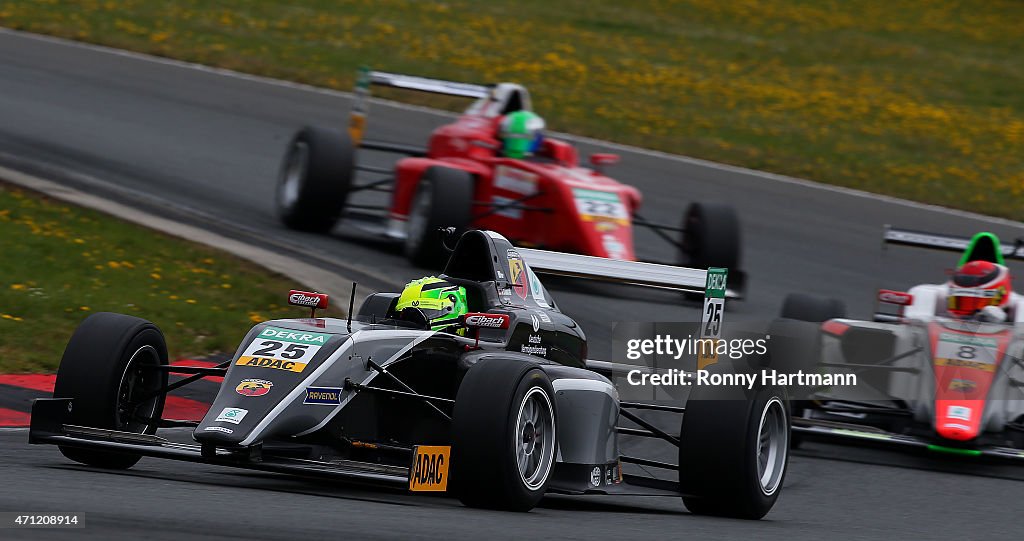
<point x="978" y="284"/>
<point x="522" y="133"/>
<point x="442" y="302"/>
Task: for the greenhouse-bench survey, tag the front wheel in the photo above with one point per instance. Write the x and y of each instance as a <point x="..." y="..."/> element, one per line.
<point x="734" y="453"/>
<point x="110" y="372"/>
<point x="315" y="179"/>
<point x="504" y="435"/>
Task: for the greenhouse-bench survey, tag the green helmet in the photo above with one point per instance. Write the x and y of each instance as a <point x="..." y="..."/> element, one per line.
<point x="442" y="302"/>
<point x="521" y="134"/>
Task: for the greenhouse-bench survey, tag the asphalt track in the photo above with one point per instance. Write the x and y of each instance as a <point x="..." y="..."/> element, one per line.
<point x="204" y="147"/>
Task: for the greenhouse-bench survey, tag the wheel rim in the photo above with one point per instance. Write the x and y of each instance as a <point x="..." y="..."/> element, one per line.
<point x="294" y="175"/>
<point x="772" y="446"/>
<point x="535" y="438"/>
<point x="417" y="224"/>
<point x="138" y="380"/>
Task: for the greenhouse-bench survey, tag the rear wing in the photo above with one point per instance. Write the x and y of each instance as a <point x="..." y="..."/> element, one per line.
<point x="983" y="246"/>
<point x="423" y="84"/>
<point x="622" y="272"/>
<point x="491" y="99"/>
<point x="710" y="282"/>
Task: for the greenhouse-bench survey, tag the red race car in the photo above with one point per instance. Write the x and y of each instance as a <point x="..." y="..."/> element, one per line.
<point x="472" y="174"/>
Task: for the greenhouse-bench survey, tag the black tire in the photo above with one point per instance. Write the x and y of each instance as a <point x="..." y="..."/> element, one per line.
<point x="443" y="198"/>
<point x="795" y="346"/>
<point x="720" y="450"/>
<point x="809" y="308"/>
<point x="315" y="179"/>
<point x="102" y="368"/>
<point x="487" y="435"/>
<point x="711" y="236"/>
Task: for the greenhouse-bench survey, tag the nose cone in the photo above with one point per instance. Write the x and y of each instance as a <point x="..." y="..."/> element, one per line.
<point x="958" y="420"/>
<point x="956" y="432"/>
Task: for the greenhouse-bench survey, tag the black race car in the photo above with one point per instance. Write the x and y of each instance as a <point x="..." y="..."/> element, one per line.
<point x="499" y="410"/>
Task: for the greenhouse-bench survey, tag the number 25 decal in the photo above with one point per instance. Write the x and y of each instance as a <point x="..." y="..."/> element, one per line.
<point x="714" y="311"/>
<point x="293" y="351"/>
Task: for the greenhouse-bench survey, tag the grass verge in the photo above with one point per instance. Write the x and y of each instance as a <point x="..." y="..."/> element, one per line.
<point x="61" y="263"/>
<point x="913" y="98"/>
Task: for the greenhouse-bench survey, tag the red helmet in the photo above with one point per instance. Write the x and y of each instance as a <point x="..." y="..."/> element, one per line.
<point x="978" y="284"/>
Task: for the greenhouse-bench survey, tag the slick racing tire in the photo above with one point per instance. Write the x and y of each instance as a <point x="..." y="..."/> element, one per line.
<point x="734" y="452"/>
<point x="504" y="435"/>
<point x="315" y="179"/>
<point x="711" y="236"/>
<point x="443" y="198"/>
<point x="803" y="307"/>
<point x="108" y="364"/>
<point x="796" y="346"/>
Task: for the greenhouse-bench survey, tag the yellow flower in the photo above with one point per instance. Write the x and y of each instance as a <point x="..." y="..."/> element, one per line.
<point x="154" y="276"/>
<point x="17" y="287"/>
<point x="84" y="308"/>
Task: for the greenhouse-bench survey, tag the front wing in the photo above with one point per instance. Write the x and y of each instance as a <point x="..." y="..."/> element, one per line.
<point x="49" y="426"/>
<point x="831" y="430"/>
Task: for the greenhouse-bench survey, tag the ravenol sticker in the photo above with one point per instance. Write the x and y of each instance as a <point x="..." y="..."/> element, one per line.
<point x="231" y="415"/>
<point x="325" y="396"/>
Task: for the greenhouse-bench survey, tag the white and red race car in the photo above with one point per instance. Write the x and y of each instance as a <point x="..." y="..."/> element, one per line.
<point x="944" y="372"/>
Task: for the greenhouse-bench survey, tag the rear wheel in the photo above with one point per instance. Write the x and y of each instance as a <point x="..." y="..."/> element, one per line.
<point x="315" y="179"/>
<point x="734" y="453"/>
<point x="443" y="198"/>
<point x="809" y="308"/>
<point x="108" y="372"/>
<point x="504" y="435"/>
<point x="711" y="236"/>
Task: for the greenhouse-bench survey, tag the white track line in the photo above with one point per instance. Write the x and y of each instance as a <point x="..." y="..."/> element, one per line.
<point x="447" y="114"/>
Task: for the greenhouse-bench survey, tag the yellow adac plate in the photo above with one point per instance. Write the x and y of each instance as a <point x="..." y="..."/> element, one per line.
<point x="429" y="470"/>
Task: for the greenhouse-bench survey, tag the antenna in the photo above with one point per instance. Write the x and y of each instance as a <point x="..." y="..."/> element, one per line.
<point x="351" y="306"/>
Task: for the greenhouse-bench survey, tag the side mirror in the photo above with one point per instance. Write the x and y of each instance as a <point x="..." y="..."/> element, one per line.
<point x="600" y="160"/>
